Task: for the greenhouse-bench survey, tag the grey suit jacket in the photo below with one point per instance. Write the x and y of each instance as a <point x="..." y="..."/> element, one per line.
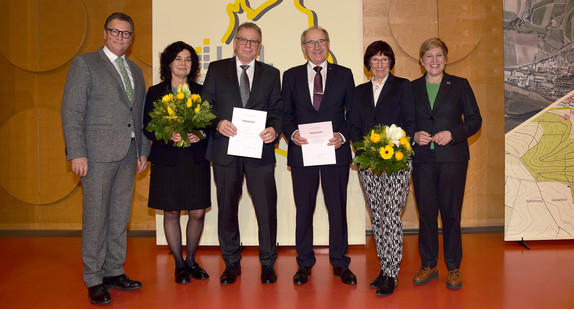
<point x="97" y="117"/>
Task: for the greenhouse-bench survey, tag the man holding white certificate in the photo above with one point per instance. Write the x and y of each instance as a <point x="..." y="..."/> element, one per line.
<point x="318" y="93"/>
<point x="238" y="88"/>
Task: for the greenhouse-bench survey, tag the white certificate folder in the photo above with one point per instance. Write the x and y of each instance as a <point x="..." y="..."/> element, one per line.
<point x="316" y="152"/>
<point x="247" y="142"/>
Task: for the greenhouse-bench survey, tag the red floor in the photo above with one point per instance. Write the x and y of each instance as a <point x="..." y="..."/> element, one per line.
<point x="47" y="273"/>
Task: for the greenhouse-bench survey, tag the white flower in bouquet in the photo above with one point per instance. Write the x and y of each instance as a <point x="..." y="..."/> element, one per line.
<point x="394" y="133"/>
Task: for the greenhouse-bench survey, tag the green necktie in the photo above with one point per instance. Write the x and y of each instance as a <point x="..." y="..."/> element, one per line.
<point x="125" y="78"/>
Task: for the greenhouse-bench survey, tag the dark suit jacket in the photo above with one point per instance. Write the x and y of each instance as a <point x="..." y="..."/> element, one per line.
<point x="336" y="102"/>
<point x="162" y="153"/>
<point x="221" y="89"/>
<point x="454" y="100"/>
<point x="394" y="106"/>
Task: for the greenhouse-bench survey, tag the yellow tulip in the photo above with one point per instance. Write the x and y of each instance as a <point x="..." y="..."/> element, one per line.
<point x="408" y="146"/>
<point x="170" y="111"/>
<point x="375" y="138"/>
<point x="399" y="156"/>
<point x="196" y="97"/>
<point x="180" y="95"/>
<point x="188" y="104"/>
<point x="196" y="110"/>
<point x="166" y="98"/>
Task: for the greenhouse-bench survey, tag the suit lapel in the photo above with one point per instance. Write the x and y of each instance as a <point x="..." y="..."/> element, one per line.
<point x="369" y="91"/>
<point x="137" y="82"/>
<point x="420" y="89"/>
<point x="443" y="90"/>
<point x="385" y="91"/>
<point x="330" y="83"/>
<point x="257" y="80"/>
<point x="235" y="85"/>
<point x="303" y="83"/>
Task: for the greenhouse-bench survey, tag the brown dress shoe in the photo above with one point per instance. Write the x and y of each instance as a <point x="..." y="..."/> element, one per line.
<point x="454" y="281"/>
<point x="424" y="275"/>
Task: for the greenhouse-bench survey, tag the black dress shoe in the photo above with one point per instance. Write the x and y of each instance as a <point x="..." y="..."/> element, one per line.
<point x="346" y="275"/>
<point x="182" y="275"/>
<point x="375" y="284"/>
<point x="99" y="295"/>
<point x="197" y="272"/>
<point x="302" y="275"/>
<point x="387" y="286"/>
<point x="230" y="274"/>
<point x="268" y="274"/>
<point x="121" y="282"/>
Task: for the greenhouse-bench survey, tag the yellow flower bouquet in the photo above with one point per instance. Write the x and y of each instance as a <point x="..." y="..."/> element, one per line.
<point x="182" y="113"/>
<point x="385" y="148"/>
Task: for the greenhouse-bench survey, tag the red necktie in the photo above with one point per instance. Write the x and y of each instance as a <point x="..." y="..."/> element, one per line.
<point x="317" y="88"/>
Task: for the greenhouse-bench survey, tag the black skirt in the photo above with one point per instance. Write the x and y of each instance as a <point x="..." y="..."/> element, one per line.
<point x="184" y="186"/>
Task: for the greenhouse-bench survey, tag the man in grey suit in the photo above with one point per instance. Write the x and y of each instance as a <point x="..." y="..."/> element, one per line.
<point x="102" y="122"/>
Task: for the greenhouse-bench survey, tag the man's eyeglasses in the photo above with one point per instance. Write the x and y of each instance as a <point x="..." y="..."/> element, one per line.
<point x="115" y="32"/>
<point x="311" y="44"/>
<point x="243" y="41"/>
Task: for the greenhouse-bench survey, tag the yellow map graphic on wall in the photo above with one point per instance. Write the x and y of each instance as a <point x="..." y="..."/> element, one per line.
<point x="540" y="175"/>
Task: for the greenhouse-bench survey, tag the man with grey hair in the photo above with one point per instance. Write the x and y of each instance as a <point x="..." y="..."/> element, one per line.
<point x="319" y="91"/>
<point x="241" y="81"/>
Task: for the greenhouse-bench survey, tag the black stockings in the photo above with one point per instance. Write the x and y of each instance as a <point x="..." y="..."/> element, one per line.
<point x="173" y="235"/>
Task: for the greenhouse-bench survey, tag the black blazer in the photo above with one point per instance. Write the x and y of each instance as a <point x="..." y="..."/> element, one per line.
<point x="337" y="99"/>
<point x="454" y="100"/>
<point x="221" y="89"/>
<point x="395" y="105"/>
<point x="162" y="153"/>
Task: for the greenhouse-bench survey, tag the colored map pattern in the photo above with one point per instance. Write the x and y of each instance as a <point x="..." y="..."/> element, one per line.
<point x="539" y="175"/>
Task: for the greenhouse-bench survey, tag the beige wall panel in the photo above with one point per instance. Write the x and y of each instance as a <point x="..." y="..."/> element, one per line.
<point x="33" y="28"/>
<point x="19" y="160"/>
<point x="411" y="22"/>
<point x="31" y="168"/>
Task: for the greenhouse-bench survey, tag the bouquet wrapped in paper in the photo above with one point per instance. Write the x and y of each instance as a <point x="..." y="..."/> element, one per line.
<point x="385" y="149"/>
<point x="181" y="113"/>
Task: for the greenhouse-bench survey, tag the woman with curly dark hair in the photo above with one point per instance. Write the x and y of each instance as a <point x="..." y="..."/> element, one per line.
<point x="180" y="177"/>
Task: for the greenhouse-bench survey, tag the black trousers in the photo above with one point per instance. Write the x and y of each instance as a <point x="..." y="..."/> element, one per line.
<point x="334" y="181"/>
<point x="261" y="186"/>
<point x="440" y="187"/>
